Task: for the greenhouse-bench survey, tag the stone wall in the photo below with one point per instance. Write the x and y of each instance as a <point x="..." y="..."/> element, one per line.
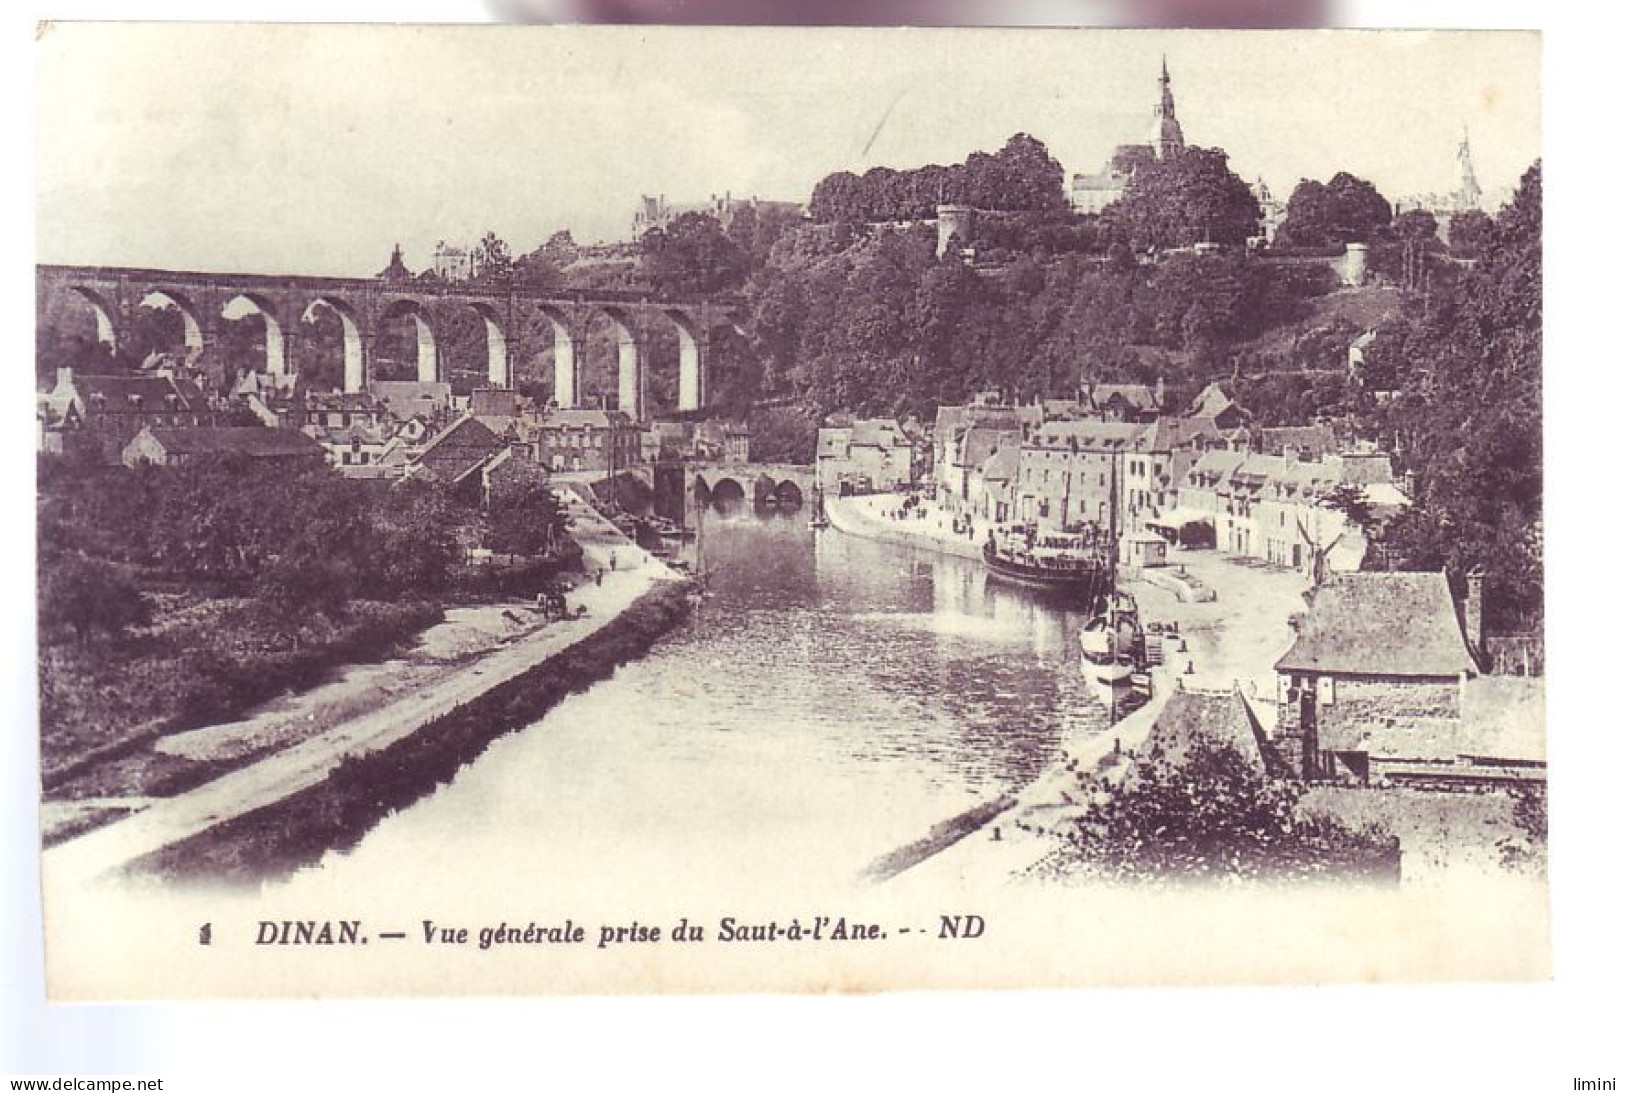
<point x="1395" y="717"/>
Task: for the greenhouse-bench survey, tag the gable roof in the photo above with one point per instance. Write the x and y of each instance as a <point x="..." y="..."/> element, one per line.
<point x="251" y="440"/>
<point x="1312" y="440"/>
<point x="1211" y="401"/>
<point x="1003" y="465"/>
<point x="1192" y="716"/>
<point x="1386" y="624"/>
<point x="1136" y="395"/>
<point x="407" y="397"/>
<point x="121" y="393"/>
<point x="585" y="418"/>
<point x="880" y="432"/>
<point x="982" y="441"/>
<point x="465" y="430"/>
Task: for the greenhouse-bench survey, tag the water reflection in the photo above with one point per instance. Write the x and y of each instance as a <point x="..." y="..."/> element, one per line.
<point x="828" y="691"/>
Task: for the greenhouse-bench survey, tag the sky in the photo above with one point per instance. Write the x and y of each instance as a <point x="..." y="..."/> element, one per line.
<point x="314" y="149"/>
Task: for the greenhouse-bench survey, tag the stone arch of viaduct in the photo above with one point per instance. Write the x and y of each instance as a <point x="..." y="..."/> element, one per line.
<point x="518" y="321"/>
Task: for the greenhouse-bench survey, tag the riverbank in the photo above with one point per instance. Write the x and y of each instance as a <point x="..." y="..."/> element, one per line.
<point x="1231" y="641"/>
<point x="867" y="517"/>
<point x="384" y="715"/>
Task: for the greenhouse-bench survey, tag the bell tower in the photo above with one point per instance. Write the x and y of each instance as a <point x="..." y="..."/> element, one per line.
<point x="1167" y="139"/>
<point x="1468" y="195"/>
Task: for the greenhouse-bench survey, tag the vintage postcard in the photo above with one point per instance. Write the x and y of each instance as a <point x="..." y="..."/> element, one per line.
<point x="635" y="510"/>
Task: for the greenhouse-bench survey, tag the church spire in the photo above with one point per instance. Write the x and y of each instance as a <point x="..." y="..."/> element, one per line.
<point x="1469" y="195"/>
<point x="1167" y="139"/>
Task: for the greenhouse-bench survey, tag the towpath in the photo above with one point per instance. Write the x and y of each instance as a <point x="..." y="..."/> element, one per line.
<point x="169" y="820"/>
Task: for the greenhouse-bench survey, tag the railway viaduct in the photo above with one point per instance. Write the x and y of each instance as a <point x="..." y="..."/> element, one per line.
<point x="519" y="320"/>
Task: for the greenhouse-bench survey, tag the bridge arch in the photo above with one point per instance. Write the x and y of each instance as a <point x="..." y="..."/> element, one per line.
<point x="355" y="358"/>
<point x="629" y="363"/>
<point x="244" y="304"/>
<point x="788" y="494"/>
<point x="498" y="365"/>
<point x="566" y="376"/>
<point x="428" y="366"/>
<point x="690" y="361"/>
<point x="727" y="491"/>
<point x="106" y="331"/>
<point x="160" y="298"/>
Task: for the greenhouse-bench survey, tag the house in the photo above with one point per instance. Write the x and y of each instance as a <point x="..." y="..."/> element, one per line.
<point x="498" y="408"/>
<point x="967" y="457"/>
<point x="105" y="412"/>
<point x="1072" y="472"/>
<point x="995" y="484"/>
<point x="833" y="458"/>
<point x="948" y="461"/>
<point x="603" y="441"/>
<point x="1274" y="508"/>
<point x="412" y="398"/>
<point x="870" y="455"/>
<point x="1123" y="401"/>
<point x="1215" y="401"/>
<point x="174" y="447"/>
<point x="1375" y="678"/>
<point x="330" y="410"/>
<point x="457" y="452"/>
<point x="881" y="453"/>
<point x="1298" y="441"/>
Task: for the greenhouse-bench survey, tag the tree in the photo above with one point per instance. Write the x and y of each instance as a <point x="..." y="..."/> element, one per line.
<point x="693" y="254"/>
<point x="1190" y="198"/>
<point x="1468" y="421"/>
<point x="783" y="434"/>
<point x="1345" y="210"/>
<point x="539" y="268"/>
<point x="300" y="584"/>
<point x="1470" y="233"/>
<point x="524" y="517"/>
<point x="87" y="595"/>
<point x="493" y="261"/>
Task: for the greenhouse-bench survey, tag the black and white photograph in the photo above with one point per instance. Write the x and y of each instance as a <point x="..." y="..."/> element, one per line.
<point x="643" y="510"/>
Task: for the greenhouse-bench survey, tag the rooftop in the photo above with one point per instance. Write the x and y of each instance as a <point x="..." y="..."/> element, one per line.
<point x="250" y="440"/>
<point x="1382" y="624"/>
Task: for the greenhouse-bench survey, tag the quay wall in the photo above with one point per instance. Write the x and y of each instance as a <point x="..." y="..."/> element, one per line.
<point x="849" y="515"/>
<point x="296" y="831"/>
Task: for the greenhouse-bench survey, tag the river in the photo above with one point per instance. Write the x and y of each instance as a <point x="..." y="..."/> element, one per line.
<point x="829" y="701"/>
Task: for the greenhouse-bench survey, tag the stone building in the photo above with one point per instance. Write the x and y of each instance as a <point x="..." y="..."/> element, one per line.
<point x="103" y="413"/>
<point x="1092" y="193"/>
<point x="1376" y="677"/>
<point x="174" y="447"/>
<point x="457" y="452"/>
<point x="657" y="212"/>
<point x="1072" y="471"/>
<point x="873" y="455"/>
<point x="603" y="441"/>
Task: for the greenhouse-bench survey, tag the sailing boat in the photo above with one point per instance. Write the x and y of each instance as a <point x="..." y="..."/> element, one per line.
<point x="819" y="519"/>
<point x="1113" y="642"/>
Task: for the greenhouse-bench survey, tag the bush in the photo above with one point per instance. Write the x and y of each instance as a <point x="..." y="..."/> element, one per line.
<point x="1216" y="816"/>
<point x="86" y="595"/>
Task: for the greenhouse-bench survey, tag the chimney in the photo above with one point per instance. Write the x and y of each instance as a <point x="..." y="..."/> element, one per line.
<point x="1473" y="611"/>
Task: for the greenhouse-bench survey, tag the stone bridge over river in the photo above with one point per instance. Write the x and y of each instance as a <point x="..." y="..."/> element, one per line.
<point x="519" y="320"/>
<point x="782" y="483"/>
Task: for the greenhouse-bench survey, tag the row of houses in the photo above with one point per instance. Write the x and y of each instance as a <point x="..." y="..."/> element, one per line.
<point x="1115" y="455"/>
<point x="385" y="431"/>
